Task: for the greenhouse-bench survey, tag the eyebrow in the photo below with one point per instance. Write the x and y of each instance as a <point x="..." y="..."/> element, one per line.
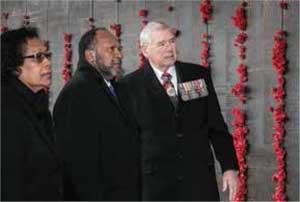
<point x="39" y="51"/>
<point x="166" y="40"/>
<point x="115" y="46"/>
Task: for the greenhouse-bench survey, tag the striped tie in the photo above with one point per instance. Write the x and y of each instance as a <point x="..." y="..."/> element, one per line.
<point x="169" y="87"/>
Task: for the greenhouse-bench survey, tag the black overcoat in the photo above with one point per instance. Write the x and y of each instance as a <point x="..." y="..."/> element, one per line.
<point x="98" y="144"/>
<point x="177" y="160"/>
<point x="31" y="168"/>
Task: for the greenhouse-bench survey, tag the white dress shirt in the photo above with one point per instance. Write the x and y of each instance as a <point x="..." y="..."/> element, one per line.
<point x="171" y="70"/>
<point x="107" y="83"/>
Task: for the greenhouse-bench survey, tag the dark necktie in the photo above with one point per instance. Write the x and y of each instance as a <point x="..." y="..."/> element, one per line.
<point x="113" y="93"/>
<point x="112" y="90"/>
<point x="169" y="87"/>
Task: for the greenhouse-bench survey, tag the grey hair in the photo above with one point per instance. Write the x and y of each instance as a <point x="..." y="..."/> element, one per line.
<point x="145" y="35"/>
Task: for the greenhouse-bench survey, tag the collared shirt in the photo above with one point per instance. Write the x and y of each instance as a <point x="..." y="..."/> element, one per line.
<point x="108" y="83"/>
<point x="111" y="87"/>
<point x="171" y="70"/>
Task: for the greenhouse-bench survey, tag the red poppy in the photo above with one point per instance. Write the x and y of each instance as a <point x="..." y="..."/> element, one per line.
<point x="67" y="63"/>
<point x="170" y="8"/>
<point x="206" y="10"/>
<point x="143" y="13"/>
<point x="239" y="19"/>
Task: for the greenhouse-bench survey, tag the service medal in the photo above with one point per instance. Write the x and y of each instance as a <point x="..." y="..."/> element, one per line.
<point x="171" y="92"/>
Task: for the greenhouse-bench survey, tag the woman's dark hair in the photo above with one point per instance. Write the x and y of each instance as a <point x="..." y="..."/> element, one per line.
<point x="12" y="48"/>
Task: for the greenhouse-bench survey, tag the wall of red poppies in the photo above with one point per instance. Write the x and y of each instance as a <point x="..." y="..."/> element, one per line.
<point x="251" y="48"/>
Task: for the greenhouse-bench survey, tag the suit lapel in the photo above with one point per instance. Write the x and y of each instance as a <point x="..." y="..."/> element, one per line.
<point x="32" y="118"/>
<point x="40" y="129"/>
<point x="94" y="75"/>
<point x="111" y="98"/>
<point x="180" y="77"/>
<point x="183" y="75"/>
<point x="155" y="88"/>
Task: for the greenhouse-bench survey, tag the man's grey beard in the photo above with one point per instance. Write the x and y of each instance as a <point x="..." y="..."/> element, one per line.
<point x="106" y="74"/>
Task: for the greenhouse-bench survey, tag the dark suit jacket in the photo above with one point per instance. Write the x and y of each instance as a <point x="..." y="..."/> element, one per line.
<point x="177" y="159"/>
<point x="30" y="166"/>
<point x="97" y="142"/>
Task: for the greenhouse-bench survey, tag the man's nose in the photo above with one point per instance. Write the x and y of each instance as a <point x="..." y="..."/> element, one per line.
<point x="119" y="53"/>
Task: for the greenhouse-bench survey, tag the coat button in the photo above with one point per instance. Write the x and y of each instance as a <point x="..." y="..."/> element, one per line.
<point x="179" y="135"/>
<point x="179" y="155"/>
<point x="176" y="116"/>
<point x="179" y="178"/>
<point x="61" y="191"/>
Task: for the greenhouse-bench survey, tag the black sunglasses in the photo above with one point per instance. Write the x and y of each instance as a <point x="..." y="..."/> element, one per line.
<point x="40" y="56"/>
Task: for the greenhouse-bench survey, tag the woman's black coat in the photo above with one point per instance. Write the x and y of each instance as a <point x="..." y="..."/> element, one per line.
<point x="31" y="168"/>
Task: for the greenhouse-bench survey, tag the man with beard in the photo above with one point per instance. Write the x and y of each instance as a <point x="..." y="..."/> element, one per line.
<point x="98" y="144"/>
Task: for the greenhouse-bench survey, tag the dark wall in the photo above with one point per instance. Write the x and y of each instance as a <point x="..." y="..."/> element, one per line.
<point x="263" y="21"/>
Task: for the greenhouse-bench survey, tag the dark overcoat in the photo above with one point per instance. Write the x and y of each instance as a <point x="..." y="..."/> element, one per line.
<point x="177" y="159"/>
<point x="30" y="165"/>
<point x="98" y="144"/>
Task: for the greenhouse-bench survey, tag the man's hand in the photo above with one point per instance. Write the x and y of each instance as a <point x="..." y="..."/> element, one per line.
<point x="230" y="180"/>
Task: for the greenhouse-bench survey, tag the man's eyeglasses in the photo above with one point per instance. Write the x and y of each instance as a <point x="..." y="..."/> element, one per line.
<point x="40" y="56"/>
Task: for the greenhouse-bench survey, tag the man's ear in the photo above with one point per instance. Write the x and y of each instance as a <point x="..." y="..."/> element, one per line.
<point x="90" y="56"/>
<point x="144" y="50"/>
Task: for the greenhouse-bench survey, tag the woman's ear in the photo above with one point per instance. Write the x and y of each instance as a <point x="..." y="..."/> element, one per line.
<point x="18" y="71"/>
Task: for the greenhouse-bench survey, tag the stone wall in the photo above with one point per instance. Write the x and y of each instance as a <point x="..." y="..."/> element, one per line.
<point x="263" y="21"/>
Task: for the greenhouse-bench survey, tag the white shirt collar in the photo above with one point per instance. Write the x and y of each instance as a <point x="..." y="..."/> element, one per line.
<point x="171" y="70"/>
<point x="107" y="82"/>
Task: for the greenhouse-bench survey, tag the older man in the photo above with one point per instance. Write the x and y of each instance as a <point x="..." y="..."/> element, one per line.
<point x="98" y="143"/>
<point x="30" y="166"/>
<point x="177" y="112"/>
